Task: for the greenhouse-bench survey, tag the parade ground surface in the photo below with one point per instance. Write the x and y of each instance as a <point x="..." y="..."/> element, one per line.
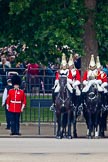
<point x="31" y="147"/>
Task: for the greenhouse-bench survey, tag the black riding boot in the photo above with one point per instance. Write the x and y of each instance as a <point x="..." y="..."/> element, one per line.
<point x="102" y="100"/>
<point x="52" y="107"/>
<point x="72" y="96"/>
<point x="106" y="100"/>
<point x="83" y="98"/>
<point x="79" y="102"/>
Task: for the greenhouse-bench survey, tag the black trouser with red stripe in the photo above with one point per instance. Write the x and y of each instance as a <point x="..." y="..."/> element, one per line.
<point x="15" y="122"/>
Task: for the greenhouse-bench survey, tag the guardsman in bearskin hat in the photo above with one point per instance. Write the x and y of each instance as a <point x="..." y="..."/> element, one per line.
<point x="73" y="81"/>
<point x="62" y="72"/>
<point x="16" y="102"/>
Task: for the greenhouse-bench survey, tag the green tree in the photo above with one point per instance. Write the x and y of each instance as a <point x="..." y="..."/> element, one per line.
<point x="45" y="26"/>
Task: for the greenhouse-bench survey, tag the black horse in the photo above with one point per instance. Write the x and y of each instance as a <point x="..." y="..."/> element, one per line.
<point x="63" y="109"/>
<point x="91" y="110"/>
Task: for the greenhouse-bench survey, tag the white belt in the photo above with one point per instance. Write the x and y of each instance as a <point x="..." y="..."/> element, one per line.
<point x="15" y="101"/>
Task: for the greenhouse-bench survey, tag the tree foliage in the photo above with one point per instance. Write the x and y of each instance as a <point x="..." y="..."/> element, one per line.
<point x="102" y="29"/>
<point x="45" y="26"/>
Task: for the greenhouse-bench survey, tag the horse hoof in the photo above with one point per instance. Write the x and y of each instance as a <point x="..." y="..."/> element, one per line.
<point x="89" y="137"/>
<point x="58" y="137"/>
<point x="69" y="137"/>
<point x="64" y="136"/>
<point x="96" y="137"/>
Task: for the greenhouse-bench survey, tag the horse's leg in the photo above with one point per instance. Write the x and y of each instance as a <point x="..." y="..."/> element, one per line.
<point x="59" y="126"/>
<point x="74" y="124"/>
<point x="85" y="114"/>
<point x="69" y="125"/>
<point x="102" y="123"/>
<point x="64" y="124"/>
<point x="89" y="124"/>
<point x="96" y="124"/>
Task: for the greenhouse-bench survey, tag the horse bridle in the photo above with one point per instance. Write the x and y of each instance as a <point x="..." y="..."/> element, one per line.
<point x="65" y="88"/>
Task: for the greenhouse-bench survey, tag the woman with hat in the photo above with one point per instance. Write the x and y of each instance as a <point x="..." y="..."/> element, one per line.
<point x="16" y="102"/>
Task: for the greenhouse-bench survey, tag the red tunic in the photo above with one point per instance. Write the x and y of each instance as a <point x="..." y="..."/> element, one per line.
<point x="100" y="76"/>
<point x="76" y="77"/>
<point x="57" y="76"/>
<point x="15" y="100"/>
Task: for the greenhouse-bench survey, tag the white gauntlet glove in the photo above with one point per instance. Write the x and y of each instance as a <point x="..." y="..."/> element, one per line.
<point x="76" y="83"/>
<point x="69" y="81"/>
<point x="105" y="84"/>
<point x="85" y="82"/>
<point x="55" y="84"/>
<point x="98" y="82"/>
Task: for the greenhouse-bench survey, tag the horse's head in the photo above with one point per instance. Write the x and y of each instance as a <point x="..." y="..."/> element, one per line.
<point x="92" y="93"/>
<point x="63" y="98"/>
<point x="92" y="98"/>
<point x="63" y="83"/>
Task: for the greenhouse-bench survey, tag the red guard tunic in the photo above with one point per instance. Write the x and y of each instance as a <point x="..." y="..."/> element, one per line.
<point x="15" y="100"/>
<point x="74" y="75"/>
<point x="99" y="76"/>
<point x="57" y="76"/>
<point x="102" y="76"/>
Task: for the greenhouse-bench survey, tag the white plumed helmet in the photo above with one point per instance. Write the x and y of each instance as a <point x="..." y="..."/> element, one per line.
<point x="70" y="62"/>
<point x="63" y="62"/>
<point x="92" y="61"/>
<point x="98" y="65"/>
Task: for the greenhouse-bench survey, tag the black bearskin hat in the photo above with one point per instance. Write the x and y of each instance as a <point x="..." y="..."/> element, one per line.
<point x="16" y="80"/>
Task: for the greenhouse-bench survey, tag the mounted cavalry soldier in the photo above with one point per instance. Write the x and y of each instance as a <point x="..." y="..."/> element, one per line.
<point x="90" y="75"/>
<point x="93" y="76"/>
<point x="74" y="82"/>
<point x="62" y="72"/>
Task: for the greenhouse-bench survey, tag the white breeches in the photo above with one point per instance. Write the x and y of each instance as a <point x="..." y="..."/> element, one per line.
<point x="86" y="88"/>
<point x="57" y="88"/>
<point x="105" y="90"/>
<point x="69" y="87"/>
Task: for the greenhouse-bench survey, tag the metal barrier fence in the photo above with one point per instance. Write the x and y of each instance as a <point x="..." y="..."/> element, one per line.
<point x="36" y="87"/>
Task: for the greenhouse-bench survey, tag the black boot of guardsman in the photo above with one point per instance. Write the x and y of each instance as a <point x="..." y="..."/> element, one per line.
<point x="52" y="107"/>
